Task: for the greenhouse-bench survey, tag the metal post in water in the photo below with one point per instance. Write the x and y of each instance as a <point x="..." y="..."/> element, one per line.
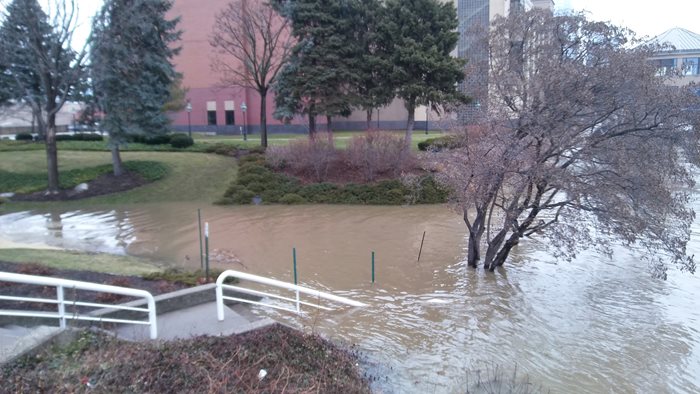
<point x="294" y="257"/>
<point x="201" y="252"/>
<point x="372" y="267"/>
<point x="206" y="251"/>
<point x="421" y="246"/>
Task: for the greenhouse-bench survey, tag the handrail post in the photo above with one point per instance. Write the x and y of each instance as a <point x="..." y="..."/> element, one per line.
<point x="152" y="317"/>
<point x="61" y="306"/>
<point x="219" y="299"/>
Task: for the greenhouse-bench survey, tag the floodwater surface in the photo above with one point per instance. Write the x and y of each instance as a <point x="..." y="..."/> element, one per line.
<point x="592" y="325"/>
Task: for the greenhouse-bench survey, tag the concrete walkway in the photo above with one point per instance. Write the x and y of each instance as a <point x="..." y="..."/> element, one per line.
<point x="197" y="320"/>
<point x="16" y="340"/>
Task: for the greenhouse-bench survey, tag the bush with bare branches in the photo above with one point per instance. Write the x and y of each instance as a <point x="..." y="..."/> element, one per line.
<point x="377" y="153"/>
<point x="312" y="157"/>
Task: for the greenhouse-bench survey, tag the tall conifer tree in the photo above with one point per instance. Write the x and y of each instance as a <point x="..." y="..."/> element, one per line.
<point x="132" y="48"/>
<point x="320" y="77"/>
<point x="420" y="35"/>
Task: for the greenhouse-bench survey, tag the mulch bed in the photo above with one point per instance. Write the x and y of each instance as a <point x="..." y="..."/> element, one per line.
<point x="104" y="184"/>
<point x="24" y="290"/>
<point x="275" y="359"/>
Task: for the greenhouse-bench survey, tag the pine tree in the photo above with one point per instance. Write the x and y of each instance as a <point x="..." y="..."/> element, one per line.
<point x="323" y="70"/>
<point x="132" y="48"/>
<point x="374" y="88"/>
<point x="420" y="35"/>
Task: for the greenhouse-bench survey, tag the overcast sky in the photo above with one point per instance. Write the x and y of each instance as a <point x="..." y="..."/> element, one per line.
<point x="647" y="18"/>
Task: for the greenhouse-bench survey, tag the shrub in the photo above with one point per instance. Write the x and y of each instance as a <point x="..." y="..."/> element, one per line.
<point x="24" y="137"/>
<point x="440" y="143"/>
<point x="430" y="192"/>
<point x="64" y="137"/>
<point x="257" y="150"/>
<point x="79" y="137"/>
<point x="377" y="153"/>
<point x="292" y="198"/>
<point x="237" y="194"/>
<point x="320" y="193"/>
<point x="255" y="169"/>
<point x="256" y="187"/>
<point x="181" y="141"/>
<point x="312" y="157"/>
<point x="88" y="137"/>
<point x="221" y="149"/>
<point x="246" y="179"/>
<point x="252" y="159"/>
<point x="161" y="139"/>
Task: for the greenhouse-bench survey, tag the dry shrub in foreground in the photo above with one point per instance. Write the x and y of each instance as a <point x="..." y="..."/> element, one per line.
<point x="294" y="362"/>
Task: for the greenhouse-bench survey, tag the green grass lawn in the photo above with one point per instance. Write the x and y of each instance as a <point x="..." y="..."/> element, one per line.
<point x="191" y="176"/>
<point x="66" y="259"/>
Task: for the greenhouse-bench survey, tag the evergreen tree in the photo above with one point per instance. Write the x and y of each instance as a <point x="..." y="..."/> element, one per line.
<point x="41" y="68"/>
<point x="323" y="70"/>
<point x="5" y="84"/>
<point x="374" y="88"/>
<point x="420" y="34"/>
<point x="132" y="48"/>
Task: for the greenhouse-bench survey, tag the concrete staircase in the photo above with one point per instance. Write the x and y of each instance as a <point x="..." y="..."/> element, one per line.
<point x="17" y="340"/>
<point x="197" y="320"/>
<point x="182" y="314"/>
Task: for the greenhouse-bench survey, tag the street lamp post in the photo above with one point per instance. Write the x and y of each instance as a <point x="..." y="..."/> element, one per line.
<point x="245" y="128"/>
<point x="189" y="119"/>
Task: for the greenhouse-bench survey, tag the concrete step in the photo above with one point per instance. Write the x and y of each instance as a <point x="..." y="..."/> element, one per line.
<point x="17" y="340"/>
<point x="195" y="321"/>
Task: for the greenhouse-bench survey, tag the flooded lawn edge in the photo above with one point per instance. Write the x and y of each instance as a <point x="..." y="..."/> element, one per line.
<point x="83" y="261"/>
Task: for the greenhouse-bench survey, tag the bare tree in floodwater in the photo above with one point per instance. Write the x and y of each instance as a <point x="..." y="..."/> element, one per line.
<point x="583" y="144"/>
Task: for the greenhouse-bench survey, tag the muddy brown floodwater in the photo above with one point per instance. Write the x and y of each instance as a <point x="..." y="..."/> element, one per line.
<point x="591" y="325"/>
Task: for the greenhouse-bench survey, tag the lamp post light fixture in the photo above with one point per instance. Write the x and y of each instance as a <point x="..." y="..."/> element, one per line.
<point x="188" y="108"/>
<point x="245" y="127"/>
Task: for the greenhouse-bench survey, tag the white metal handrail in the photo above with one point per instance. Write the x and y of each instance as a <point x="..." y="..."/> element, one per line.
<point x="220" y="286"/>
<point x="62" y="284"/>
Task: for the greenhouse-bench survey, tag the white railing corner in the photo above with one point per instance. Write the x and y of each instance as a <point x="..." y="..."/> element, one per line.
<point x="274" y="283"/>
<point x="62" y="284"/>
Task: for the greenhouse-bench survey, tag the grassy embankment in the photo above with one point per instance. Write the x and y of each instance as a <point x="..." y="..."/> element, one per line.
<point x="66" y="259"/>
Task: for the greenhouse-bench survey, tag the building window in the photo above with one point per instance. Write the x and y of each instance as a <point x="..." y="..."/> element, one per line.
<point x="229" y="107"/>
<point x="211" y="113"/>
<point x="690" y="66"/>
<point x="211" y="118"/>
<point x="230" y="118"/>
<point x="665" y="66"/>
